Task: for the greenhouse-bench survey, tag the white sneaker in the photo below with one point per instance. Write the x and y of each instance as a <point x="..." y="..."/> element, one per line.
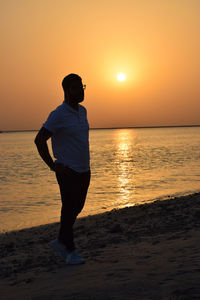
<point x="74" y="259"/>
<point x="59" y="248"/>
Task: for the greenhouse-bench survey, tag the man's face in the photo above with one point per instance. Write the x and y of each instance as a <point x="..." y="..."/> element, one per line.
<point x="76" y="92"/>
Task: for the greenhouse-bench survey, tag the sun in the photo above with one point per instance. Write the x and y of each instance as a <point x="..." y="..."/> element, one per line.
<point x="121" y="76"/>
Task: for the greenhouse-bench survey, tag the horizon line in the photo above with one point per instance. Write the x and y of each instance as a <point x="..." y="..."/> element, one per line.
<point x="121" y="127"/>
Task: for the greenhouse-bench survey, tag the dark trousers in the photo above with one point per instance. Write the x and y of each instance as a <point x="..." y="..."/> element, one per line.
<point x="73" y="190"/>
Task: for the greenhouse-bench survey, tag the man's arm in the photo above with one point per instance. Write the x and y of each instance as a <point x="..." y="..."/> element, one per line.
<point x="41" y="143"/>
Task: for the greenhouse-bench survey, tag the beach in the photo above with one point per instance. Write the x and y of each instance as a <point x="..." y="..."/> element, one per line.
<point x="149" y="251"/>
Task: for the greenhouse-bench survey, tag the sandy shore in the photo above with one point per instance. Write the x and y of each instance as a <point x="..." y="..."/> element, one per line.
<point x="149" y="251"/>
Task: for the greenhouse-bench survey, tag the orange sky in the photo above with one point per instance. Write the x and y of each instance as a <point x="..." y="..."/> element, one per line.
<point x="155" y="43"/>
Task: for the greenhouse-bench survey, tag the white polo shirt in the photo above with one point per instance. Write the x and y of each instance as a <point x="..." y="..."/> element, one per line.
<point x="70" y="139"/>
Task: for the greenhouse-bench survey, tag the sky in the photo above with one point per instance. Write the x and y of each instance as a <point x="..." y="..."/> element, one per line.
<point x="155" y="43"/>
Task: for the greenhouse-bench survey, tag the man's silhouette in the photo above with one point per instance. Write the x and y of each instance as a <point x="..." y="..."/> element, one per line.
<point x="68" y="128"/>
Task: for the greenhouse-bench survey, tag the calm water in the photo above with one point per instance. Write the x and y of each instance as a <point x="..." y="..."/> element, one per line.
<point x="129" y="166"/>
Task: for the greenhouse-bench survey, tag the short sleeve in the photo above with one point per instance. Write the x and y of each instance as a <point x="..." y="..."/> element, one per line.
<point x="53" y="122"/>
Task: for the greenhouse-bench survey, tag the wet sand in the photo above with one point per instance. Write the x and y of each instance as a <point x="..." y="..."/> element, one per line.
<point x="149" y="251"/>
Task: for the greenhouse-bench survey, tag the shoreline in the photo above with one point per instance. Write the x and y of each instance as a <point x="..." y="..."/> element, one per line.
<point x="148" y="251"/>
<point x="150" y="201"/>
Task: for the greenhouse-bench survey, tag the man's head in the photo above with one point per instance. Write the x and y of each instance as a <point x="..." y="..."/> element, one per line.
<point x="73" y="88"/>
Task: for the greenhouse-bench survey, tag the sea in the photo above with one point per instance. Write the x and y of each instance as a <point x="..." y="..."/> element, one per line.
<point x="129" y="167"/>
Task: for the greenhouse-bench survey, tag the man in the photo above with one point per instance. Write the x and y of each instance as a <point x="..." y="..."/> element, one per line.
<point x="68" y="128"/>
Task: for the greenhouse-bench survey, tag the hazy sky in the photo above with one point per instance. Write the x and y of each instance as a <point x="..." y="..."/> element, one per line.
<point x="156" y="43"/>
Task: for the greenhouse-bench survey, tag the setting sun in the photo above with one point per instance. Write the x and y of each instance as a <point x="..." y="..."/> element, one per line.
<point x="121" y="76"/>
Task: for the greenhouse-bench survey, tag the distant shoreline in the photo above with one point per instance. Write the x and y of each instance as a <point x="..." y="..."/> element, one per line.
<point x="100" y="128"/>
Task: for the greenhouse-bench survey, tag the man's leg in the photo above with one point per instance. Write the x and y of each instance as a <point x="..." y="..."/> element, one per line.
<point x="73" y="188"/>
<point x="67" y="218"/>
<point x="82" y="184"/>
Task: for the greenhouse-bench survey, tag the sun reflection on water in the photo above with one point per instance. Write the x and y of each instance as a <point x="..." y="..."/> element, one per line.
<point x="125" y="141"/>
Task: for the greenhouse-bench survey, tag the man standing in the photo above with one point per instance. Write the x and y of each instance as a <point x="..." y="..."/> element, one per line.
<point x="68" y="128"/>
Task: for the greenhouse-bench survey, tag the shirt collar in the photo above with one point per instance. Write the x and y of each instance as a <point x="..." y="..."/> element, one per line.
<point x="70" y="108"/>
